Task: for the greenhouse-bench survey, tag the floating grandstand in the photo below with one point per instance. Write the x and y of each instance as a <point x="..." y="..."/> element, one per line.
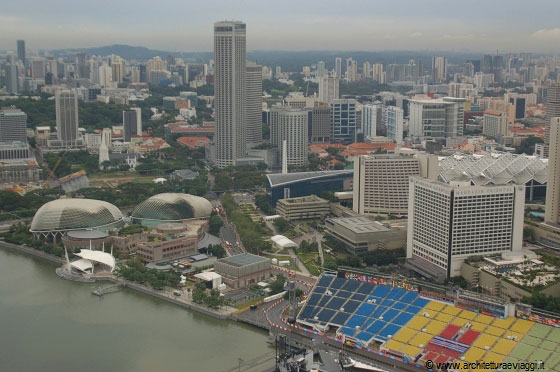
<point x="406" y="325"/>
<point x="56" y="218"/>
<point x="496" y="169"/>
<point x="169" y="207"/>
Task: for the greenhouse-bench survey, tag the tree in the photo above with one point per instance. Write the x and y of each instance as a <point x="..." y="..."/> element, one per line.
<point x="528" y="234"/>
<point x="282" y="224"/>
<point x="215" y="223"/>
<point x="262" y="202"/>
<point x="216" y="250"/>
<point x="278" y="285"/>
<point x="528" y="146"/>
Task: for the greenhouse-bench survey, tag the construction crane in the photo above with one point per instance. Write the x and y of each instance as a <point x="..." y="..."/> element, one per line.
<point x="51" y="174"/>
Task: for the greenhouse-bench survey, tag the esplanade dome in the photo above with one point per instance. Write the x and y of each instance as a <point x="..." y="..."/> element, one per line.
<point x="62" y="215"/>
<point x="172" y="207"/>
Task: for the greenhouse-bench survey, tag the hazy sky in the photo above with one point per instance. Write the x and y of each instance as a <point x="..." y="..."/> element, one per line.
<point x="186" y="25"/>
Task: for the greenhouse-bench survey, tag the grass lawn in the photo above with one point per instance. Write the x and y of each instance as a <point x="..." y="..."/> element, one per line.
<point x="309" y="260"/>
<point x="282" y="258"/>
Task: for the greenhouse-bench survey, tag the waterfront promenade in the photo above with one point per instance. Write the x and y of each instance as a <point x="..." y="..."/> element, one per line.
<point x="166" y="294"/>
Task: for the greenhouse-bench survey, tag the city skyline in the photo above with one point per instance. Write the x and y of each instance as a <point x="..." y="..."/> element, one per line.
<point x="368" y="26"/>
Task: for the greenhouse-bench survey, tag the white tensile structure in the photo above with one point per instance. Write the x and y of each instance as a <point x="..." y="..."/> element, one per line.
<point x="89" y="259"/>
<point x="493" y="169"/>
<point x="282" y="242"/>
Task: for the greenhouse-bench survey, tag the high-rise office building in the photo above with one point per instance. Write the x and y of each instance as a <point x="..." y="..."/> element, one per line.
<point x="373" y="115"/>
<point x="436" y="118"/>
<point x="439" y="69"/>
<point x="494" y="123"/>
<point x="66" y="117"/>
<point x="105" y="75"/>
<point x="253" y="105"/>
<point x="117" y="68"/>
<point x="13" y="125"/>
<point x="381" y="183"/>
<point x="328" y="88"/>
<point x="366" y="70"/>
<point x="11" y="73"/>
<point x="448" y="223"/>
<point x="552" y="210"/>
<point x="520" y="104"/>
<point x="394" y="121"/>
<point x="338" y="67"/>
<point x="38" y="68"/>
<point x="130" y="124"/>
<point x="343" y="120"/>
<point x="21" y="51"/>
<point x="320" y="131"/>
<point x="552" y="107"/>
<point x="378" y="73"/>
<point x="230" y="91"/>
<point x="81" y="66"/>
<point x="290" y="124"/>
<point x="321" y="69"/>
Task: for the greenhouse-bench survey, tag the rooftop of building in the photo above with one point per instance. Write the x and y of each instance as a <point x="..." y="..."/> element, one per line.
<point x="303" y="199"/>
<point x="243" y="259"/>
<point x="359" y="225"/>
<point x="193" y="141"/>
<point x="287" y="178"/>
<point x="493" y="112"/>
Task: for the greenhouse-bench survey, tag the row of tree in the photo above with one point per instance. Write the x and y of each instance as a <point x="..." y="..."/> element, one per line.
<point x="253" y="235"/>
<point x="135" y="271"/>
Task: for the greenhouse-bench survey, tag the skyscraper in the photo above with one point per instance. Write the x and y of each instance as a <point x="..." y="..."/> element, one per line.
<point x="436" y="118"/>
<point x="328" y="88"/>
<point x="378" y="74"/>
<point x="253" y="108"/>
<point x="230" y="91"/>
<point x="372" y="117"/>
<point x="395" y="123"/>
<point x="38" y="68"/>
<point x="21" y="50"/>
<point x="66" y="117"/>
<point x="343" y="120"/>
<point x="321" y="69"/>
<point x="13" y="125"/>
<point x="338" y="67"/>
<point x="552" y="210"/>
<point x="130" y="124"/>
<point x="11" y="72"/>
<point x="81" y="66"/>
<point x="552" y="107"/>
<point x="448" y="223"/>
<point x="439" y="69"/>
<point x="290" y="124"/>
<point x="320" y="124"/>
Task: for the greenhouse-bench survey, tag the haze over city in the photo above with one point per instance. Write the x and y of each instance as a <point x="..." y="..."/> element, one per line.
<point x="177" y="25"/>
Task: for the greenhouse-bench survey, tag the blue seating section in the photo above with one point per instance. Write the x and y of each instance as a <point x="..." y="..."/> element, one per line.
<point x="364" y="311"/>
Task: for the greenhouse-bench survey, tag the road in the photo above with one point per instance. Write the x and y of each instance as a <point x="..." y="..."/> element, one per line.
<point x="228" y="234"/>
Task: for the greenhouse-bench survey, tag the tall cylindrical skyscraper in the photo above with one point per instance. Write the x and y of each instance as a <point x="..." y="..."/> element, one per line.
<point x="253" y="109"/>
<point x="229" y="91"/>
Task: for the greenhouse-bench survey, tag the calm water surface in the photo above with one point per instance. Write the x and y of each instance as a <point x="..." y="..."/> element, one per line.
<point x="50" y="324"/>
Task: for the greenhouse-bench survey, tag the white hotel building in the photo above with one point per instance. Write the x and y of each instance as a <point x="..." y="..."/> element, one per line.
<point x="448" y="223"/>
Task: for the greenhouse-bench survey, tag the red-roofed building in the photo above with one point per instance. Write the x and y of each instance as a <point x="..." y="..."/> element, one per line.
<point x="193" y="141"/>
